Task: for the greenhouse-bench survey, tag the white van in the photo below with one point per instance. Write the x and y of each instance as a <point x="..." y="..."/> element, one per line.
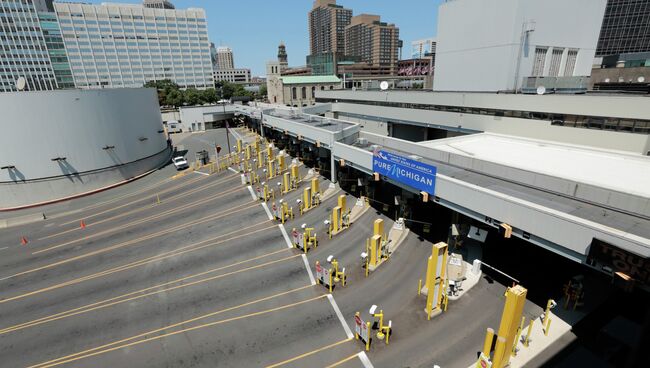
<point x="174" y="126"/>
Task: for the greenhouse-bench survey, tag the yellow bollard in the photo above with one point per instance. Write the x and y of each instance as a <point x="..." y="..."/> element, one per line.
<point x="306" y="199"/>
<point x="530" y="329"/>
<point x="436" y="274"/>
<point x="499" y="353"/>
<point x="239" y="146"/>
<point x="487" y="343"/>
<point x="548" y="327"/>
<point x="330" y="281"/>
<point x="269" y="153"/>
<point x="295" y="175"/>
<point x="521" y="328"/>
<point x="368" y="342"/>
<point x="419" y="287"/>
<point x="270" y="173"/>
<point x="512" y="311"/>
<point x="315" y="187"/>
<point x="286" y="180"/>
<point x="248" y="152"/>
<point x="336" y="219"/>
<point x="375" y="250"/>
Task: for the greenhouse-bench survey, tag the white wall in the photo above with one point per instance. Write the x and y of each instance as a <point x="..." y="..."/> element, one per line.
<point x="74" y="124"/>
<point x="479" y="41"/>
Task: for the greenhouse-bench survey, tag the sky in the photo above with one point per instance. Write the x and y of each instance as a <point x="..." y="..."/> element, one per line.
<point x="254" y="28"/>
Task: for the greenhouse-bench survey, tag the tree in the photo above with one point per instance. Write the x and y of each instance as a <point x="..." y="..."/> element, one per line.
<point x="210" y="95"/>
<point x="174" y="98"/>
<point x="192" y="96"/>
<point x="263" y="91"/>
<point x="164" y="87"/>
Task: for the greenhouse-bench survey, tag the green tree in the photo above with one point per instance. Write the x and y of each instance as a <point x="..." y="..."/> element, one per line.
<point x="263" y="92"/>
<point x="192" y="96"/>
<point x="210" y="95"/>
<point x="174" y="98"/>
<point x="164" y="87"/>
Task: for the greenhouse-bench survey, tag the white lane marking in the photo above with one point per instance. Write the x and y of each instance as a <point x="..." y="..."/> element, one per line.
<point x="234" y="132"/>
<point x="250" y="189"/>
<point x="202" y="173"/>
<point x="365" y="360"/>
<point x="4" y="248"/>
<point x="285" y="235"/>
<point x="340" y="315"/>
<point x="311" y="275"/>
<point x="266" y="208"/>
<point x="233" y="170"/>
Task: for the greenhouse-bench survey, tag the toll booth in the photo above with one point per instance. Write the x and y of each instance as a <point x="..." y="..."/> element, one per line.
<point x="202" y="157"/>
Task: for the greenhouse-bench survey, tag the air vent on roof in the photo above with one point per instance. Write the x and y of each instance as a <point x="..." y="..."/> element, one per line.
<point x="362" y="142"/>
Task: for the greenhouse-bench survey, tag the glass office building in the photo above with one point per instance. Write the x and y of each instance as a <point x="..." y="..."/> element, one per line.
<point x="123" y="45"/>
<point x="23" y="49"/>
<point x="626" y="28"/>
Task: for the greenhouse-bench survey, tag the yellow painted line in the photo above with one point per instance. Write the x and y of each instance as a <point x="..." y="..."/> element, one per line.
<point x="353" y="356"/>
<point x="109" y="347"/>
<point x="229" y="212"/>
<point x="180" y="195"/>
<point x="138" y="222"/>
<point x="146" y="292"/>
<point x="308" y="353"/>
<point x="182" y="250"/>
<point x="175" y="187"/>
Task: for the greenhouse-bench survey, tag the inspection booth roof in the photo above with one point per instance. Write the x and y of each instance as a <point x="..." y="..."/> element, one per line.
<point x="615" y="170"/>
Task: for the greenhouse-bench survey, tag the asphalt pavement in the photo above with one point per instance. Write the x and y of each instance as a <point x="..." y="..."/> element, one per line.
<point x="191" y="272"/>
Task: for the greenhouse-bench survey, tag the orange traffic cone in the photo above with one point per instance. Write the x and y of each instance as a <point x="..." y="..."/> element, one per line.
<point x="23" y="240"/>
<point x="82" y="224"/>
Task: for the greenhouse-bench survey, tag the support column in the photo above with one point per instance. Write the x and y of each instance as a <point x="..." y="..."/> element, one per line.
<point x="332" y="165"/>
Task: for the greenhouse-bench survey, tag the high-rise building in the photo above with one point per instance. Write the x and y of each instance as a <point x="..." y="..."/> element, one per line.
<point x="23" y="48"/>
<point x="375" y="42"/>
<point x="526" y="45"/>
<point x="423" y="49"/>
<point x="626" y="28"/>
<point x="56" y="49"/>
<point x="327" y="22"/>
<point x="224" y="58"/>
<point x="127" y="45"/>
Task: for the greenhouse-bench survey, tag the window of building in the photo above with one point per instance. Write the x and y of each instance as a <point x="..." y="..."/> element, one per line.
<point x="303" y="93"/>
<point x="294" y="95"/>
<point x="556" y="59"/>
<point x="570" y="64"/>
<point x="538" y="62"/>
<point x="313" y="92"/>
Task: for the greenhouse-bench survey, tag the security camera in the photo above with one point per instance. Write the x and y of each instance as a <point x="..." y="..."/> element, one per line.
<point x="303" y="226"/>
<point x="299" y="201"/>
<point x="373" y="309"/>
<point x="330" y="258"/>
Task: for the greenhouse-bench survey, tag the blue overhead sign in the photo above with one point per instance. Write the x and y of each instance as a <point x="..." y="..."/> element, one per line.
<point x="405" y="170"/>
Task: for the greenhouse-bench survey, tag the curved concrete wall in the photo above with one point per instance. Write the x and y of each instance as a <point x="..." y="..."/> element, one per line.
<point x="76" y="125"/>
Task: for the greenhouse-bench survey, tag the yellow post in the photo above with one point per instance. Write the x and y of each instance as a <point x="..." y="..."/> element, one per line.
<point x="315" y="188"/>
<point x="257" y="146"/>
<point x="548" y="327"/>
<point x="436" y="274"/>
<point x="286" y="180"/>
<point x="500" y="358"/>
<point x="306" y="198"/>
<point x="419" y="286"/>
<point x="269" y="153"/>
<point x="530" y="329"/>
<point x="512" y="311"/>
<point x="270" y="170"/>
<point x="487" y="343"/>
<point x="248" y="152"/>
<point x="260" y="160"/>
<point x="378" y="227"/>
<point x="295" y="175"/>
<point x="282" y="163"/>
<point x="375" y="248"/>
<point x="266" y="192"/>
<point x="519" y="330"/>
<point x="547" y="311"/>
<point x="368" y="339"/>
<point x="336" y="219"/>
<point x="239" y="146"/>
<point x="330" y="281"/>
<point x="157" y="199"/>
<point x="356" y="316"/>
<point x="342" y="203"/>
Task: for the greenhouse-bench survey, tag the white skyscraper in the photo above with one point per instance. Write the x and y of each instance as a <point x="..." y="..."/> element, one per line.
<point x="124" y="45"/>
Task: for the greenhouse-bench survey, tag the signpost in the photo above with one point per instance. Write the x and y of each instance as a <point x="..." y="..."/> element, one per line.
<point x="361" y="330"/>
<point x="410" y="172"/>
